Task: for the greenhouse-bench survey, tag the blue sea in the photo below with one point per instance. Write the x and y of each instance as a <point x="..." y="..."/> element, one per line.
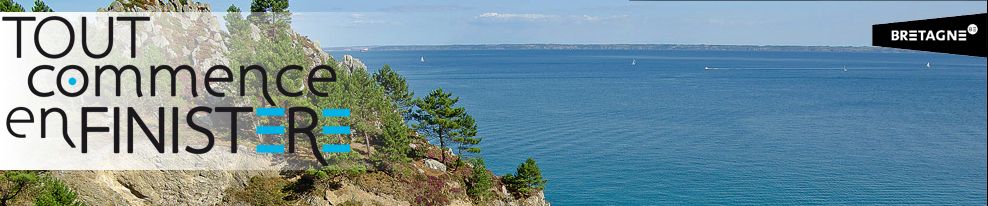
<point x="778" y="128"/>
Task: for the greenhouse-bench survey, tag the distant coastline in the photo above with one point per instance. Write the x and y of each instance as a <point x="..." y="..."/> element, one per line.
<point x="655" y="47"/>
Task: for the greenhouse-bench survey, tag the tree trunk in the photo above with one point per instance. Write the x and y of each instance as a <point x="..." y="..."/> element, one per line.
<point x="368" y="146"/>
<point x="442" y="147"/>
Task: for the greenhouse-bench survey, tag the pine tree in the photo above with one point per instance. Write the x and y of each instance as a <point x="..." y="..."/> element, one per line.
<point x="528" y="179"/>
<point x="10" y="6"/>
<point x="273" y="12"/>
<point x="396" y="88"/>
<point x="439" y="117"/>
<point x="395" y="138"/>
<point x="531" y="174"/>
<point x="40" y="6"/>
<point x="233" y="9"/>
<point x="480" y="181"/>
<point x="269" y="6"/>
<point x="12" y="183"/>
<point x="465" y="138"/>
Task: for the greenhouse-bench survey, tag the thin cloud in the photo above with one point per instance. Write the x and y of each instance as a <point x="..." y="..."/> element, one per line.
<point x="532" y="17"/>
<point x="424" y="8"/>
<point x="494" y="16"/>
<point x="359" y="18"/>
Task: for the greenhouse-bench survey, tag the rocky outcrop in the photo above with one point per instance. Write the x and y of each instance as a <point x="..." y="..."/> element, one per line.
<point x="349" y="64"/>
<point x="434" y="165"/>
<point x="155" y="6"/>
<point x="534" y="200"/>
<point x="155" y="187"/>
<point x="352" y="193"/>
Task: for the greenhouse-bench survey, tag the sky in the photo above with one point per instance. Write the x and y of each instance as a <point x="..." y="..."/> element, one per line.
<point x="374" y="22"/>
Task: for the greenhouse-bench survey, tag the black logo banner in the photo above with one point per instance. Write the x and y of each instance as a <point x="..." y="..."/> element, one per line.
<point x="952" y="35"/>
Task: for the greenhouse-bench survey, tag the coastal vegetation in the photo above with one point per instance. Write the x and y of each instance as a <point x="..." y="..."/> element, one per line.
<point x="439" y="117"/>
<point x="39" y="187"/>
<point x="386" y="118"/>
<point x="527" y="179"/>
<point x="11" y="6"/>
<point x="40" y="6"/>
<point x="410" y="148"/>
<point x="13" y="183"/>
<point x="480" y="182"/>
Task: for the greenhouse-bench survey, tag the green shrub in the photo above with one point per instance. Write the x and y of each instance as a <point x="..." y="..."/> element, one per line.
<point x="55" y="192"/>
<point x="333" y="174"/>
<point x="261" y="191"/>
<point x="351" y="171"/>
<point x="317" y="174"/>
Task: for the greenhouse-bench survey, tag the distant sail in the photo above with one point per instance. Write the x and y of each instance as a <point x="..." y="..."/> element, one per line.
<point x="845" y="68"/>
<point x="634" y="62"/>
<point x="929" y="65"/>
<point x="422" y="59"/>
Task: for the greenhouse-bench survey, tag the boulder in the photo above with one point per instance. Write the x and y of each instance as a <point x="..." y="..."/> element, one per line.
<point x="435" y="165"/>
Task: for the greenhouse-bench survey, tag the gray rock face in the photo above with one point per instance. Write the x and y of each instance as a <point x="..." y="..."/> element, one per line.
<point x="155" y="6"/>
<point x="349" y="64"/>
<point x="435" y="165"/>
<point x="537" y="199"/>
<point x="155" y="187"/>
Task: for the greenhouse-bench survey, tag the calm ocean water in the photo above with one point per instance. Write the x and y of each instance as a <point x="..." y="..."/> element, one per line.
<point x="785" y="128"/>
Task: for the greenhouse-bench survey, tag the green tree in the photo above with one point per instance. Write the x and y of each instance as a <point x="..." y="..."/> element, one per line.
<point x="274" y="12"/>
<point x="269" y="6"/>
<point x="54" y="192"/>
<point x="396" y="137"/>
<point x="233" y="9"/>
<point x="368" y="103"/>
<point x="12" y="183"/>
<point x="528" y="179"/>
<point x="440" y="118"/>
<point x="40" y="6"/>
<point x="260" y="39"/>
<point x="274" y="49"/>
<point x="480" y="181"/>
<point x="396" y="88"/>
<point x="10" y="6"/>
<point x="466" y="138"/>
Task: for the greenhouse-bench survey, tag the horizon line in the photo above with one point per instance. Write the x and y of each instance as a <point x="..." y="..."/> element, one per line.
<point x="599" y="44"/>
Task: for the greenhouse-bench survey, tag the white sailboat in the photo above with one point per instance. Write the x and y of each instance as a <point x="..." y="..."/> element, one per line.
<point x="929" y="65"/>
<point x="422" y="59"/>
<point x="634" y="62"/>
<point x="845" y="68"/>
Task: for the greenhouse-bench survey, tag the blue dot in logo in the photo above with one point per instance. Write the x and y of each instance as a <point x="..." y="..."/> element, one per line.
<point x="72" y="81"/>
